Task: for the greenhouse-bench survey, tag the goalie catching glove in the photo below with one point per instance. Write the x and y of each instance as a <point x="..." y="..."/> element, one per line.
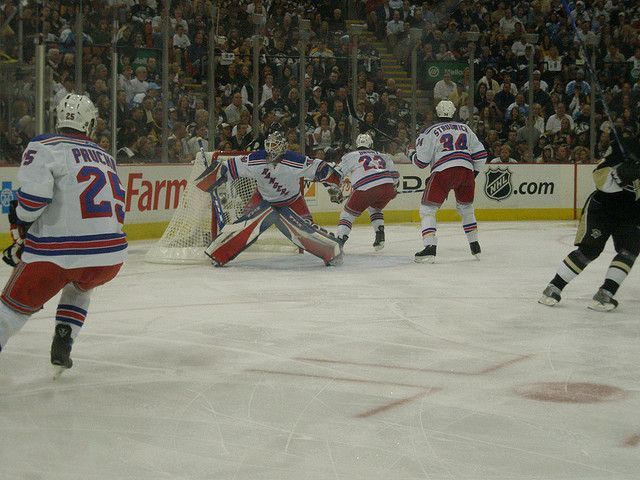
<point x="13" y="253"/>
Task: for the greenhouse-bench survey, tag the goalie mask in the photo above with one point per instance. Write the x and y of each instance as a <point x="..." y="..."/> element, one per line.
<point x="275" y="146"/>
<point x="76" y="112"/>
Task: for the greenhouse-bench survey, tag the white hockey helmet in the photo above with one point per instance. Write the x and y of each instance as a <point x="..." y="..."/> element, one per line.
<point x="77" y="112"/>
<point x="275" y="145"/>
<point x="364" y="140"/>
<point x="445" y="109"/>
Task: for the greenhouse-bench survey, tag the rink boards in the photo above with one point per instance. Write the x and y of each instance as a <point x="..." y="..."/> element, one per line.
<point x="503" y="192"/>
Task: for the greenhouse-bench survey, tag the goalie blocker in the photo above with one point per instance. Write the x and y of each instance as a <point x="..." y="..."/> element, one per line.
<point x="240" y="235"/>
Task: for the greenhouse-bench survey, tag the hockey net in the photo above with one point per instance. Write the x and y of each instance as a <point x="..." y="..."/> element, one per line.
<point x="193" y="226"/>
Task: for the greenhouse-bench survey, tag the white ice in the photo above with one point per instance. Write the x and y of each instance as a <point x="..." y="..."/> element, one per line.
<point x="278" y="368"/>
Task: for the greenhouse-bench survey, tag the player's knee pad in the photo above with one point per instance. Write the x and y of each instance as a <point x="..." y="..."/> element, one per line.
<point x="428" y="210"/>
<point x="589" y="252"/>
<point x="464" y="209"/>
<point x="626" y="257"/>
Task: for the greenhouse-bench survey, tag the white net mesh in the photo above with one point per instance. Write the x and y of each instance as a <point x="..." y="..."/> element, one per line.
<point x="189" y="231"/>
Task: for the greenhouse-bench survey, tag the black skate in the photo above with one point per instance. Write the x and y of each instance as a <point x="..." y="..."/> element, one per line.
<point x="427" y="255"/>
<point x="61" y="348"/>
<point x="550" y="295"/>
<point x="475" y="249"/>
<point x="378" y="243"/>
<point x="603" y="301"/>
<point x="342" y="240"/>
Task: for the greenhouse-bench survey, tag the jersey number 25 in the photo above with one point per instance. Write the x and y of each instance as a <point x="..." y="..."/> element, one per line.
<point x="98" y="180"/>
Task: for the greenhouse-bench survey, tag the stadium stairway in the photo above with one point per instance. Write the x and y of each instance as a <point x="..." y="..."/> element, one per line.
<point x="393" y="69"/>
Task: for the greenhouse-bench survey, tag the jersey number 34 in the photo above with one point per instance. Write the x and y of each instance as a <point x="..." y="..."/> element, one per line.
<point x="98" y="180"/>
<point x="448" y="144"/>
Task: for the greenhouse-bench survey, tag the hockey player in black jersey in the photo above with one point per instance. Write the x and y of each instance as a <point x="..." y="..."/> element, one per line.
<point x="613" y="210"/>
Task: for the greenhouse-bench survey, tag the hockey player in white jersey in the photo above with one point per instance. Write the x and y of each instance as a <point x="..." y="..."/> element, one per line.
<point x="373" y="179"/>
<point x="67" y="227"/>
<point x="455" y="156"/>
<point x="278" y="200"/>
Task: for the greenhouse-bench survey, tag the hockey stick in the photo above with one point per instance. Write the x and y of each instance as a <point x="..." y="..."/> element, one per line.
<point x="215" y="198"/>
<point x="353" y="115"/>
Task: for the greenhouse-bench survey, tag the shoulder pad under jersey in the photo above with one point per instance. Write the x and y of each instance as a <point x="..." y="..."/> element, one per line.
<point x="294" y="157"/>
<point x="257" y="157"/>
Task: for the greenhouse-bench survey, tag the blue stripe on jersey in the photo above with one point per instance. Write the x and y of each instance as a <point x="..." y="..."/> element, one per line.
<point x="375" y="177"/>
<point x="284" y="203"/>
<point x="257" y="158"/>
<point x="73" y="308"/>
<point x="233" y="168"/>
<point x="76" y="238"/>
<point x="83" y="251"/>
<point x="295" y="158"/>
<point x="33" y="198"/>
<point x="31" y="203"/>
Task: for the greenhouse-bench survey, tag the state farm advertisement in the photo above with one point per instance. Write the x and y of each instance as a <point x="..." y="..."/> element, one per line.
<point x="153" y="191"/>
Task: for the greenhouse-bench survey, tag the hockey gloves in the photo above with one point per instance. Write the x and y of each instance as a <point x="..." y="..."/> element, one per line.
<point x="628" y="172"/>
<point x="335" y="194"/>
<point x="12" y="254"/>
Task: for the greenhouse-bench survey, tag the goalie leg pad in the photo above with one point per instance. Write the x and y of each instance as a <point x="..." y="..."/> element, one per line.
<point x="240" y="235"/>
<point x="308" y="236"/>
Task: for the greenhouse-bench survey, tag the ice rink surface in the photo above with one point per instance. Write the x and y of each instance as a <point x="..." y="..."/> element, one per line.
<point x="278" y="368"/>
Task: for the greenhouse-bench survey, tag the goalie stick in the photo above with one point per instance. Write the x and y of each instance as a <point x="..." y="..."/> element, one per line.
<point x="215" y="198"/>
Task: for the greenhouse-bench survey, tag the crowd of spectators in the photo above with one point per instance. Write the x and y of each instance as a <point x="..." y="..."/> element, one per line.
<point x="561" y="83"/>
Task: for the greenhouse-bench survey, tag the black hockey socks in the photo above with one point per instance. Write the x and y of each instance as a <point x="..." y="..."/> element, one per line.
<point x="570" y="268"/>
<point x="618" y="270"/>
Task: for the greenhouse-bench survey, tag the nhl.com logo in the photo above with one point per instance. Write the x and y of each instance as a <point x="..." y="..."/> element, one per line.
<point x="497" y="184"/>
<point x="6" y="195"/>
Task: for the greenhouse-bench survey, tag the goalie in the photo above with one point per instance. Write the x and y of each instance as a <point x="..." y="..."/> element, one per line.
<point x="277" y="201"/>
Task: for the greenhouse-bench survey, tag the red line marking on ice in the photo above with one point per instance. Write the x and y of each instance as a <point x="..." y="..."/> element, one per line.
<point x="484" y="371"/>
<point x="397" y="403"/>
<point x="339" y="379"/>
<point x="632" y="441"/>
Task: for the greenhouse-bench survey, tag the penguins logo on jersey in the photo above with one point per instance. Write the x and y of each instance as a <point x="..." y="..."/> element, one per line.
<point x="497" y="184"/>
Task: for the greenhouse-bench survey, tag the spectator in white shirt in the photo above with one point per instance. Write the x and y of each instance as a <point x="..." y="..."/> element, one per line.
<point x="181" y="39"/>
<point x="443" y="88"/>
<point x="234" y="110"/>
<point x="489" y="80"/>
<point x="138" y="84"/>
<point x="508" y="22"/>
<point x="267" y="89"/>
<point x="554" y="123"/>
<point x="537" y="76"/>
<point x="395" y="27"/>
<point x="505" y="155"/>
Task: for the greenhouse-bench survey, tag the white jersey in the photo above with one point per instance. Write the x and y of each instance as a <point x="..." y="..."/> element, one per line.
<point x="368" y="168"/>
<point x="449" y="144"/>
<point x="70" y="190"/>
<point x="279" y="184"/>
